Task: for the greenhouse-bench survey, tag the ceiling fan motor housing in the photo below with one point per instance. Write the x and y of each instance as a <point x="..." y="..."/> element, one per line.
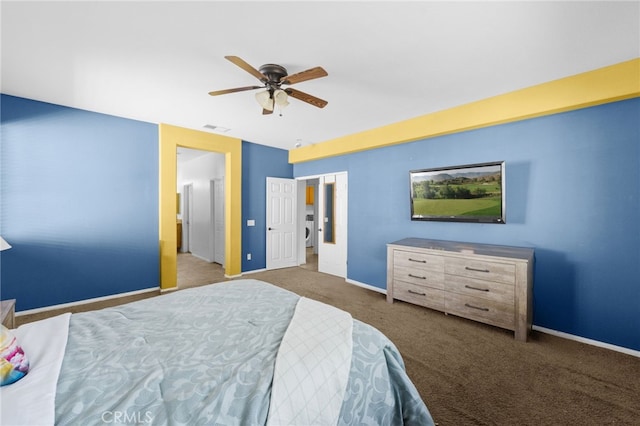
<point x="274" y="74"/>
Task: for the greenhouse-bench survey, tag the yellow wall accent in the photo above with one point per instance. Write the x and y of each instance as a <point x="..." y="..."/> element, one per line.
<point x="171" y="137"/>
<point x="609" y="84"/>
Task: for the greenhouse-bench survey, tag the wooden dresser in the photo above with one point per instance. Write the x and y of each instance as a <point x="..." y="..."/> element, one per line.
<point x="7" y="312"/>
<point x="487" y="283"/>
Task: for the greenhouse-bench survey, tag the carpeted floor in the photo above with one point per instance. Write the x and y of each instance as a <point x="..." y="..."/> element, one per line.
<point x="470" y="373"/>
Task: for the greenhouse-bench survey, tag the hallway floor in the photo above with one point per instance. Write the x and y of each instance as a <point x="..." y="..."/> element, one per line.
<point x="194" y="272"/>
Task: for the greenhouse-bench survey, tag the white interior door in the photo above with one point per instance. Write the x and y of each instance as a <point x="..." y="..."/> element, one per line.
<point x="217" y="187"/>
<point x="187" y="216"/>
<point x="281" y="223"/>
<point x="332" y="225"/>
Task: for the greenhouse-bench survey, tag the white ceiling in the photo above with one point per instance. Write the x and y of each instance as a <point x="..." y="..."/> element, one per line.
<point x="387" y="61"/>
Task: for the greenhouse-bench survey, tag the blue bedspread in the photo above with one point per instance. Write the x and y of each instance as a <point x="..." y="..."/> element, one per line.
<point x="206" y="356"/>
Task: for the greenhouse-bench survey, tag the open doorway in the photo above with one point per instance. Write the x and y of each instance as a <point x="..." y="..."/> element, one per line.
<point x="323" y="204"/>
<point x="200" y="217"/>
<point x="310" y="224"/>
<point x="171" y="137"/>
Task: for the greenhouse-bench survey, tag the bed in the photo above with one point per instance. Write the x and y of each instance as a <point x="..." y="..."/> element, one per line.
<point x="240" y="352"/>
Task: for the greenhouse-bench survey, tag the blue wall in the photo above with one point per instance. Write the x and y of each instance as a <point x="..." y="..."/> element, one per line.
<point x="258" y="163"/>
<point x="573" y="194"/>
<point x="79" y="204"/>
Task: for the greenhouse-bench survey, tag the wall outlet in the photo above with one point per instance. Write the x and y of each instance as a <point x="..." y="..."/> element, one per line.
<point x="248" y="256"/>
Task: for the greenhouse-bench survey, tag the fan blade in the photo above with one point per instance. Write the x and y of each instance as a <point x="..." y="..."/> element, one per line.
<point x="266" y="111"/>
<point x="309" y="74"/>
<point x="248" y="68"/>
<point x="317" y="102"/>
<point x="237" y="89"/>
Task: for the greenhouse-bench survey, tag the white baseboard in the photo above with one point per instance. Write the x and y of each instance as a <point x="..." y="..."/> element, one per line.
<point x="201" y="257"/>
<point x="367" y="286"/>
<point x="254" y="271"/>
<point x="84" y="302"/>
<point x="537" y="328"/>
<point x="588" y="341"/>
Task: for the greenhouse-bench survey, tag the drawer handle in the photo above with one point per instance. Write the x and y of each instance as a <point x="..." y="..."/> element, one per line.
<point x="417" y="260"/>
<point x="417" y="292"/>
<point x="476" y="307"/>
<point x="476" y="288"/>
<point x="416" y="276"/>
<point x="476" y="269"/>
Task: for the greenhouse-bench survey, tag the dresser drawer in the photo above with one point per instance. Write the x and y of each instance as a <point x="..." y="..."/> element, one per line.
<point x="422" y="261"/>
<point x="474" y="268"/>
<point x="499" y="292"/>
<point x="418" y="295"/>
<point x="419" y="277"/>
<point x="485" y="310"/>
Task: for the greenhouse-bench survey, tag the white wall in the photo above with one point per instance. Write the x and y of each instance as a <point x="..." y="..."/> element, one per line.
<point x="199" y="172"/>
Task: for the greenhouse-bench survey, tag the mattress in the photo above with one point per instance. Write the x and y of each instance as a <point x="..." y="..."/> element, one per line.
<point x="207" y="356"/>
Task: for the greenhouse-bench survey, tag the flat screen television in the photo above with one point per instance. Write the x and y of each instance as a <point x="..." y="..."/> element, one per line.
<point x="466" y="193"/>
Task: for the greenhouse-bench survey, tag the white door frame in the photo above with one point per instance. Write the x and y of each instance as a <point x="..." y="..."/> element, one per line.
<point x="301" y="243"/>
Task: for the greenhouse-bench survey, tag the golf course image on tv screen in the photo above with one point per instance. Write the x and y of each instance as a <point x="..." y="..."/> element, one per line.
<point x="469" y="193"/>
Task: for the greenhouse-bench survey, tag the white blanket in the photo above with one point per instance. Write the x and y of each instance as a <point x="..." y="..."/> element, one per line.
<point x="312" y="366"/>
<point x="31" y="400"/>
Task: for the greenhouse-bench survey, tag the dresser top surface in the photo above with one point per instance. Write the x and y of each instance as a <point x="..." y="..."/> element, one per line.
<point x="6" y="304"/>
<point x="467" y="248"/>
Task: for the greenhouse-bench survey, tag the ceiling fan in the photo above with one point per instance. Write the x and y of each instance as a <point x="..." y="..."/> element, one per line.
<point x="273" y="77"/>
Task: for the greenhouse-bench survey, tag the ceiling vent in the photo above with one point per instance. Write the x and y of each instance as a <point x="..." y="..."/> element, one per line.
<point x="216" y="128"/>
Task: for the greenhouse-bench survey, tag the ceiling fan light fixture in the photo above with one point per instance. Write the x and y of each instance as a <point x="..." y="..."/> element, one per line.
<point x="280" y="97"/>
<point x="265" y="100"/>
